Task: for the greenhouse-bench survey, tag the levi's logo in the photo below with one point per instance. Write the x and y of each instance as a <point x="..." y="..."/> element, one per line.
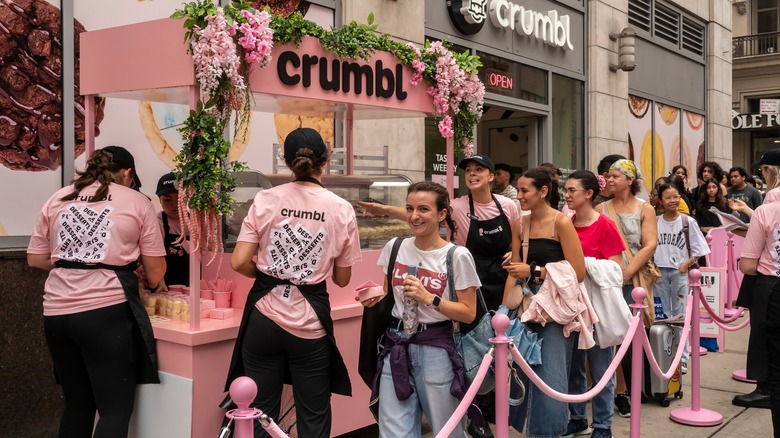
<point x="435" y="282"/>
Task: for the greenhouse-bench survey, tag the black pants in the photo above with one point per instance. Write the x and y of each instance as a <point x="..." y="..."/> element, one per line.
<point x="773" y="347"/>
<point x="757" y="352"/>
<point x="270" y="353"/>
<point x="96" y="362"/>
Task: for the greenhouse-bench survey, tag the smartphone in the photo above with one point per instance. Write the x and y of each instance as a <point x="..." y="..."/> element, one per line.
<point x="412" y="270"/>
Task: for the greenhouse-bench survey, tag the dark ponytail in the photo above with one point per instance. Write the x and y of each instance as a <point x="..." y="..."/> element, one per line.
<point x="306" y="162"/>
<point x="588" y="181"/>
<point x="541" y="178"/>
<point x="442" y="201"/>
<point x="99" y="168"/>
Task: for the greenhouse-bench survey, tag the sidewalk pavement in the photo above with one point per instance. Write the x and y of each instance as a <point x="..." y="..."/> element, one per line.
<point x="717" y="390"/>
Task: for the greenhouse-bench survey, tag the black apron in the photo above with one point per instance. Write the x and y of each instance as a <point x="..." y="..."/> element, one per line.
<point x="488" y="241"/>
<point x="317" y="296"/>
<point x="176" y="258"/>
<point x="147" y="370"/>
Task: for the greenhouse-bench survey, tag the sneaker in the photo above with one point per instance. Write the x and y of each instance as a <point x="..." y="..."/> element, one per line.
<point x="577" y="427"/>
<point x="623" y="405"/>
<point x="602" y="433"/>
<point x="684" y="367"/>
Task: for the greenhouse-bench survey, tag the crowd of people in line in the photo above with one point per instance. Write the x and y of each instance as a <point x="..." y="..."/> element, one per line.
<point x="507" y="240"/>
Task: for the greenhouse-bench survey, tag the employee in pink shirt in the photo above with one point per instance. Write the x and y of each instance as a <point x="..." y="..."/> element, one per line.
<point x="90" y="236"/>
<point x="302" y="235"/>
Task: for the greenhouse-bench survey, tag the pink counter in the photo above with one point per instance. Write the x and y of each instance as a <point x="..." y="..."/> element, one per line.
<point x="194" y="364"/>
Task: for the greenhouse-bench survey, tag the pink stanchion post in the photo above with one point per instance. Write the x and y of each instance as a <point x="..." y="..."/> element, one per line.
<point x="243" y="391"/>
<point x="695" y="415"/>
<point x="731" y="277"/>
<point x="638" y="294"/>
<point x="500" y="324"/>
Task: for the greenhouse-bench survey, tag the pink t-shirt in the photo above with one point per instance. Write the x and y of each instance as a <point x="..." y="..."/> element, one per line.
<point x="115" y="231"/>
<point x="762" y="241"/>
<point x="460" y="213"/>
<point x="772" y="196"/>
<point x="301" y="232"/>
<point x="601" y="239"/>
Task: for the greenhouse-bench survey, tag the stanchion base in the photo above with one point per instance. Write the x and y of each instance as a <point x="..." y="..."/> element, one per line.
<point x="729" y="313"/>
<point x="741" y="376"/>
<point x="702" y="417"/>
<point x="702" y="351"/>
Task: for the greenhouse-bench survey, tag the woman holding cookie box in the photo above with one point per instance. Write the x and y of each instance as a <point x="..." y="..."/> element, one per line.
<point x="419" y="370"/>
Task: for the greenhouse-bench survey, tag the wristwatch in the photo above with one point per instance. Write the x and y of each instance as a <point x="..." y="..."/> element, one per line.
<point x="537" y="274"/>
<point x="435" y="303"/>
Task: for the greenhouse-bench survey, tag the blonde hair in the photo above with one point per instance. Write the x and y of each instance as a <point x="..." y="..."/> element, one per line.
<point x="773" y="180"/>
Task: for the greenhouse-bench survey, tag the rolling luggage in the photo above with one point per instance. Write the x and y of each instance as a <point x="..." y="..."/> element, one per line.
<point x="664" y="341"/>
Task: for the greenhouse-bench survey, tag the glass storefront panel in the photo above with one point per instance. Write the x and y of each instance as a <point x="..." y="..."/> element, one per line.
<point x="568" y="128"/>
<point x="513" y="79"/>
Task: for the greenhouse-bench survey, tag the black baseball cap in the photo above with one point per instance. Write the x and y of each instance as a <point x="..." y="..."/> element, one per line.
<point x="303" y="138"/>
<point x="481" y="159"/>
<point x="770" y="158"/>
<point x="166" y="184"/>
<point x="125" y="159"/>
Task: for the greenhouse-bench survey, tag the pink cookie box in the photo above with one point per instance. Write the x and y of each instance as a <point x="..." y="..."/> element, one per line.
<point x="221" y="313"/>
<point x="369" y="290"/>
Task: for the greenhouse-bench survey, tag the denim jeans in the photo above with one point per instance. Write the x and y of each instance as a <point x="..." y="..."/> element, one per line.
<point x="430" y="374"/>
<point x="546" y="417"/>
<point x="599" y="360"/>
<point x="672" y="288"/>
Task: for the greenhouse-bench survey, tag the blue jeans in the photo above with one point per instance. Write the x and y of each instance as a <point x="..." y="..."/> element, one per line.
<point x="430" y="374"/>
<point x="546" y="417"/>
<point x="672" y="288"/>
<point x="603" y="405"/>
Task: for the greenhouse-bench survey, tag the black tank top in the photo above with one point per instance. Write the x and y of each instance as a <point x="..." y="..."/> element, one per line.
<point x="543" y="251"/>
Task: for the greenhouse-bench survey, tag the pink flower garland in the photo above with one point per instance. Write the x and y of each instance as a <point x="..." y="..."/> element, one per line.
<point x="257" y="38"/>
<point x="214" y="54"/>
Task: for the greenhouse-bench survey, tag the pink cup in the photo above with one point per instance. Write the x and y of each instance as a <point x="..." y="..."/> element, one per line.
<point x="207" y="294"/>
<point x="222" y="299"/>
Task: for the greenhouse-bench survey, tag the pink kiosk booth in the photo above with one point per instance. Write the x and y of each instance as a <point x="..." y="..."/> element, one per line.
<point x="149" y="61"/>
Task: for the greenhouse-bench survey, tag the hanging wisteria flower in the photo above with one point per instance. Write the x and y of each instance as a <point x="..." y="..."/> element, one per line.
<point x="214" y="55"/>
<point x="256" y="38"/>
<point x="445" y="127"/>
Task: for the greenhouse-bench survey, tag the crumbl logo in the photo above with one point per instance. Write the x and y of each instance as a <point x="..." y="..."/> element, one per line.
<point x="550" y="27"/>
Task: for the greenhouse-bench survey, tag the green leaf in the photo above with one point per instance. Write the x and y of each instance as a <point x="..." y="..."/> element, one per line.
<point x="371" y="18"/>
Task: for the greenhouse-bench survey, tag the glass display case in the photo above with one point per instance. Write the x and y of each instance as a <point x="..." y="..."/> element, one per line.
<point x="374" y="231"/>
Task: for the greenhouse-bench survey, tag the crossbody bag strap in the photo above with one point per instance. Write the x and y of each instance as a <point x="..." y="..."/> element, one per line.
<point x="451" y="280"/>
<point x="526" y="230"/>
<point x="686" y="231"/>
<point x="391" y="264"/>
<point x="612" y="214"/>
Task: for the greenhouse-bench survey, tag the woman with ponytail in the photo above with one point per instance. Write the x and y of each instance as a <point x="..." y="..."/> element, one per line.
<point x="302" y="234"/>
<point x="90" y="237"/>
<point x="434" y="381"/>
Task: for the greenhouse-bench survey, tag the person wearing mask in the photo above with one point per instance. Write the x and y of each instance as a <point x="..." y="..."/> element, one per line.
<point x="635" y="218"/>
<point x="502" y="182"/>
<point x="96" y="327"/>
<point x="177" y="255"/>
<point x="551" y="238"/>
<point x="302" y="234"/>
<point x="434" y="380"/>
<point x="601" y="240"/>
<point x="603" y="170"/>
<point x="740" y="190"/>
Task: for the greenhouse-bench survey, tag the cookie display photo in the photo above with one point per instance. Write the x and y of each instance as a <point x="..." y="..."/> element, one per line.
<point x="31" y="87"/>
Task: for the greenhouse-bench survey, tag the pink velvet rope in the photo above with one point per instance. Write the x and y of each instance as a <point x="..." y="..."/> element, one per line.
<point x="274" y="430"/>
<point x="468" y="397"/>
<point x="681" y="347"/>
<point x="579" y="398"/>
<point x="720" y="322"/>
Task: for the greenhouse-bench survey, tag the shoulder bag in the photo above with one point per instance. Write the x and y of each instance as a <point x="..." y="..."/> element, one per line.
<point x="472" y="346"/>
<point x="375" y="322"/>
<point x="647" y="275"/>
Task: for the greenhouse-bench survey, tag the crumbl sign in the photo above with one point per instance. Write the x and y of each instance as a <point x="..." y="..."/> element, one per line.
<point x="550" y="27"/>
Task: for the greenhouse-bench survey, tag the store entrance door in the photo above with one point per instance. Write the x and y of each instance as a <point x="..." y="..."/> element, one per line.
<point x="514" y="141"/>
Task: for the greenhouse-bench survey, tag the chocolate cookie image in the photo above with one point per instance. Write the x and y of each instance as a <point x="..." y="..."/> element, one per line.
<point x="285" y="8"/>
<point x="31" y="87"/>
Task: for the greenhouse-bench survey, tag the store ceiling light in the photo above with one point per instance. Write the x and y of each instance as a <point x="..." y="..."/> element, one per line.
<point x="626" y="49"/>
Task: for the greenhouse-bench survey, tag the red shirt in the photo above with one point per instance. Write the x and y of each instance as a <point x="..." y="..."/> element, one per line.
<point x="601" y="239"/>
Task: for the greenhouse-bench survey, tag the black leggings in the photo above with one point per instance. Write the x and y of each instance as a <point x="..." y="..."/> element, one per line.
<point x="269" y="353"/>
<point x="96" y="362"/>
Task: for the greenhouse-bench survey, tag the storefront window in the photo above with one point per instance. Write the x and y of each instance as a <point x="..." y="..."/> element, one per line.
<point x="513" y="79"/>
<point x="568" y="123"/>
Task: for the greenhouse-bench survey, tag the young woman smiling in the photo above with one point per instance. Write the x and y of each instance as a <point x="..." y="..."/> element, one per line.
<point x="551" y="238"/>
<point x="420" y="371"/>
<point x="601" y="240"/>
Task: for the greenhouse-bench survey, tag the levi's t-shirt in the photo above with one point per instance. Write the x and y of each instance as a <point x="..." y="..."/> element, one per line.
<point x="762" y="241"/>
<point x="432" y="272"/>
<point x="601" y="239"/>
<point x="115" y="231"/>
<point x="301" y="232"/>
<point x="460" y="214"/>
